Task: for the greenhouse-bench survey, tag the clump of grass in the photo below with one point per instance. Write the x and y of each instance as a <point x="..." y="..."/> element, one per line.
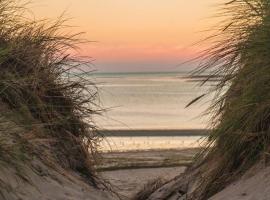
<point x="148" y="189"/>
<point x="44" y="86"/>
<point x="240" y="58"/>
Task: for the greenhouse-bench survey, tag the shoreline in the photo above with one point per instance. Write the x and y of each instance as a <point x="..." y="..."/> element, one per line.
<point x="113" y="161"/>
<point x="152" y="132"/>
<point x="154" y="166"/>
<point x="148" y="150"/>
<point x="129" y="172"/>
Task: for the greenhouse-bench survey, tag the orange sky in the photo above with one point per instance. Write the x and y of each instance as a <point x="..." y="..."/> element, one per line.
<point x="135" y="35"/>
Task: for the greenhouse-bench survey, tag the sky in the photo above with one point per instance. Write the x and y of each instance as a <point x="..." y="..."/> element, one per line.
<point x="135" y="35"/>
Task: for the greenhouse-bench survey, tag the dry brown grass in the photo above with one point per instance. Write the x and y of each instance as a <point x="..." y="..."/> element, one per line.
<point x="148" y="189"/>
<point x="239" y="57"/>
<point x="46" y="90"/>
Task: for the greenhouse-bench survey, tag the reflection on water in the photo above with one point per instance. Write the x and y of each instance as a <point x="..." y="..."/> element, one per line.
<point x="150" y="143"/>
<point x="149" y="101"/>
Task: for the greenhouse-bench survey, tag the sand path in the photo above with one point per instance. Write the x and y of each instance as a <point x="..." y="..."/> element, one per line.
<point x="130" y="181"/>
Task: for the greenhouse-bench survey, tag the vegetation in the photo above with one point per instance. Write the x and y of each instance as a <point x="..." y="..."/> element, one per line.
<point x="148" y="189"/>
<point x="241" y="108"/>
<point x="43" y="95"/>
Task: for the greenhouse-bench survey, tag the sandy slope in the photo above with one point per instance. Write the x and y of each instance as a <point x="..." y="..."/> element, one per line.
<point x="128" y="182"/>
<point x="44" y="183"/>
<point x="254" y="185"/>
<point x="33" y="173"/>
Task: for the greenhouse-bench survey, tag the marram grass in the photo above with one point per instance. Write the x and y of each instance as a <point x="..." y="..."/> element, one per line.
<point x="240" y="56"/>
<point x="43" y="90"/>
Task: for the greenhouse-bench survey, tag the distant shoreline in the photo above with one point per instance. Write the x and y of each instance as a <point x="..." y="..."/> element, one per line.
<point x="153" y="133"/>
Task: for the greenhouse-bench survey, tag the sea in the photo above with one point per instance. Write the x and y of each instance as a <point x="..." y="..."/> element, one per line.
<point x="150" y="101"/>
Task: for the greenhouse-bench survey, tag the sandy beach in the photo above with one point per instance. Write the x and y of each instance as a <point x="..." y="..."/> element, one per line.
<point x="132" y="158"/>
<point x="129" y="171"/>
<point x="128" y="182"/>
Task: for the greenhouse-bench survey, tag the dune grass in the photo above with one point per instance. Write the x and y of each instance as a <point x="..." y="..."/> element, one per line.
<point x="148" y="189"/>
<point x="44" y="89"/>
<point x="240" y="58"/>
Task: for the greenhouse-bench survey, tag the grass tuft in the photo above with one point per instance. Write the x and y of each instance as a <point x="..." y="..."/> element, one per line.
<point x="239" y="56"/>
<point x="46" y="90"/>
<point x="148" y="189"/>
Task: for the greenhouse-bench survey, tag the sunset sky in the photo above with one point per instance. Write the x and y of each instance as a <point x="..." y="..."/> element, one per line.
<point x="135" y="35"/>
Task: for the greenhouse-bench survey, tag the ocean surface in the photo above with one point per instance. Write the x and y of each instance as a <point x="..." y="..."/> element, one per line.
<point x="150" y="101"/>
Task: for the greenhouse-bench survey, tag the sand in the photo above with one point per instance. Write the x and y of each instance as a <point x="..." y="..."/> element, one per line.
<point x="129" y="182"/>
<point x="131" y="162"/>
<point x="130" y="171"/>
<point x="147" y="159"/>
<point x="44" y="183"/>
<point x="254" y="185"/>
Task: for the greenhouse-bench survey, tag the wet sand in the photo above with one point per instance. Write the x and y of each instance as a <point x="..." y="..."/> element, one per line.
<point x="149" y="143"/>
<point x="146" y="159"/>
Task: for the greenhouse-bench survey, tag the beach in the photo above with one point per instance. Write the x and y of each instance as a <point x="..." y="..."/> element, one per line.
<point x="130" y="181"/>
<point x="133" y="158"/>
<point x="141" y="106"/>
<point x="129" y="171"/>
<point x="148" y="131"/>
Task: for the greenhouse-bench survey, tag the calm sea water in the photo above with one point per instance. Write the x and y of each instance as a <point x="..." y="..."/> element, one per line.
<point x="150" y="101"/>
